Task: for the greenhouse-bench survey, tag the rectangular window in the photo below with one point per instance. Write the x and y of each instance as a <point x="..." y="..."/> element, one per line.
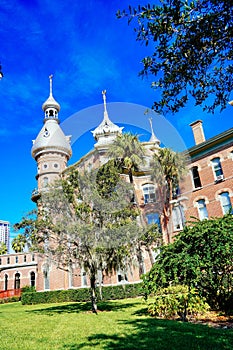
<point x="149" y="194"/>
<point x="196" y="177"/>
<point x="203" y="214"/>
<point x="225" y="202"/>
<point x="217" y="169"/>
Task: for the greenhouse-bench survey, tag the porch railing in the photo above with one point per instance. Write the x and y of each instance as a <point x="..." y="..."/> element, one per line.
<point x="10" y="293"/>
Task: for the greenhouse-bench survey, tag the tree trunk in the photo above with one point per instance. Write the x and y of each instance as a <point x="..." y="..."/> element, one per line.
<point x="140" y="260"/>
<point x="152" y="260"/>
<point x="93" y="293"/>
<point x="135" y="199"/>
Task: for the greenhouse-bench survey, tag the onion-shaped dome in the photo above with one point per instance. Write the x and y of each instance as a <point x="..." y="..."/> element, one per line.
<point x="51" y="138"/>
<point x="106" y="132"/>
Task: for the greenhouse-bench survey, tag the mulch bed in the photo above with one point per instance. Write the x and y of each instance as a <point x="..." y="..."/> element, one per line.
<point x="213" y="319"/>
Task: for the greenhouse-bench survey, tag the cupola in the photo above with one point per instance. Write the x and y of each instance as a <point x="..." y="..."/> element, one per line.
<point x="51" y="107"/>
<point x="107" y="131"/>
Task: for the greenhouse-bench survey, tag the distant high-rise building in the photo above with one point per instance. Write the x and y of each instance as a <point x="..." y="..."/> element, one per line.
<point x="5" y="233"/>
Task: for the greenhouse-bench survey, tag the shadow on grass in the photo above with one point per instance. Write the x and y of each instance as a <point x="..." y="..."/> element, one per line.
<point x="81" y="307"/>
<point x="149" y="333"/>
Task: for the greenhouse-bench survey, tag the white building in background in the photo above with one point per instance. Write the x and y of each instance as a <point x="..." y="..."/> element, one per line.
<point x="5" y="233"/>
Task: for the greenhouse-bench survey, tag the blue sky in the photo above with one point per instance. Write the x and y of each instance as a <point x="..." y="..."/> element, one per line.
<point x="87" y="50"/>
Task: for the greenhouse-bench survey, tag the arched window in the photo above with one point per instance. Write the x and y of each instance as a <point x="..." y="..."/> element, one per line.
<point x="202" y="210"/>
<point x="148" y="193"/>
<point x="84" y="278"/>
<point x="45" y="181"/>
<point x="6" y="282"/>
<point x="32" y="279"/>
<point x="225" y="202"/>
<point x="17" y="280"/>
<point x="46" y="277"/>
<point x="196" y="177"/>
<point x="217" y="169"/>
<point x="178" y="217"/>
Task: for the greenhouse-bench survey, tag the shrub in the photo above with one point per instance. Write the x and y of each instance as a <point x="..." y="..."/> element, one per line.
<point x="177" y="301"/>
<point x="82" y="294"/>
<point x="28" y="289"/>
<point x="9" y="300"/>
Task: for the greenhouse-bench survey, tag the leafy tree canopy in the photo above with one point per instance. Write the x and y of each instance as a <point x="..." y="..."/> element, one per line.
<point x="200" y="257"/>
<point x="192" y="51"/>
<point x="18" y="243"/>
<point x="3" y="248"/>
<point x="168" y="168"/>
<point x="81" y="224"/>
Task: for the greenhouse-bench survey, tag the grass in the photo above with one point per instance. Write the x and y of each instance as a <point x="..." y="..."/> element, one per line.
<point x="119" y="325"/>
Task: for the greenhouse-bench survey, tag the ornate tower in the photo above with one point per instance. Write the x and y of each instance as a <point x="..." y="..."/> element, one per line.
<point x="153" y="144"/>
<point x="105" y="133"/>
<point x="51" y="149"/>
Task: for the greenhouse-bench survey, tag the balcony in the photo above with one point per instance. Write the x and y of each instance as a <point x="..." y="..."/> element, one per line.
<point x="35" y="195"/>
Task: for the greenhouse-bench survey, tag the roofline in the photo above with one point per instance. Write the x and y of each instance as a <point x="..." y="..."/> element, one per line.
<point x="226" y="136"/>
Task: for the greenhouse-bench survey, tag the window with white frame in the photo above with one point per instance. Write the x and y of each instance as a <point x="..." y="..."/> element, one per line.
<point x="17" y="281"/>
<point x="178" y="218"/>
<point x="153" y="218"/>
<point x="202" y="210"/>
<point x="196" y="177"/>
<point x="122" y="276"/>
<point x="6" y="282"/>
<point x="46" y="277"/>
<point x="148" y="193"/>
<point x="217" y="169"/>
<point x="83" y="278"/>
<point x="225" y="202"/>
<point x="45" y="181"/>
<point x="32" y="279"/>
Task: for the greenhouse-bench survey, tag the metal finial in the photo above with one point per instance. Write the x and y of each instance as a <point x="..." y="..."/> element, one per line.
<point x="51" y="84"/>
<point x="151" y="126"/>
<point x="104" y="98"/>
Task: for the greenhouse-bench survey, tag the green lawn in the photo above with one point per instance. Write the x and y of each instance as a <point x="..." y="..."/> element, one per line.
<point x="120" y="325"/>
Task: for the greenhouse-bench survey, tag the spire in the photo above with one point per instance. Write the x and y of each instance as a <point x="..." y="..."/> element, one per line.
<point x="104" y="99"/>
<point x="107" y="130"/>
<point x="106" y="118"/>
<point x="153" y="138"/>
<point x="51" y="85"/>
<point x="51" y="107"/>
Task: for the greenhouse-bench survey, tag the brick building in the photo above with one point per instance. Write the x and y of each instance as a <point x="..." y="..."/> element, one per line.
<point x="205" y="192"/>
<point x="211" y="175"/>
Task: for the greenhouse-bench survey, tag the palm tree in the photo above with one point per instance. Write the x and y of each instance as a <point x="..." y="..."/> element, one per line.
<point x="168" y="167"/>
<point x="129" y="153"/>
<point x="18" y="243"/>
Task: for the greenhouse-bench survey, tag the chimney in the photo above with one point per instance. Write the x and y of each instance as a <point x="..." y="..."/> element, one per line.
<point x="198" y="132"/>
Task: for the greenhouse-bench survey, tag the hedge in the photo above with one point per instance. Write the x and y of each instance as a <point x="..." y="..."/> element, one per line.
<point x="82" y="294"/>
<point x="9" y="300"/>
